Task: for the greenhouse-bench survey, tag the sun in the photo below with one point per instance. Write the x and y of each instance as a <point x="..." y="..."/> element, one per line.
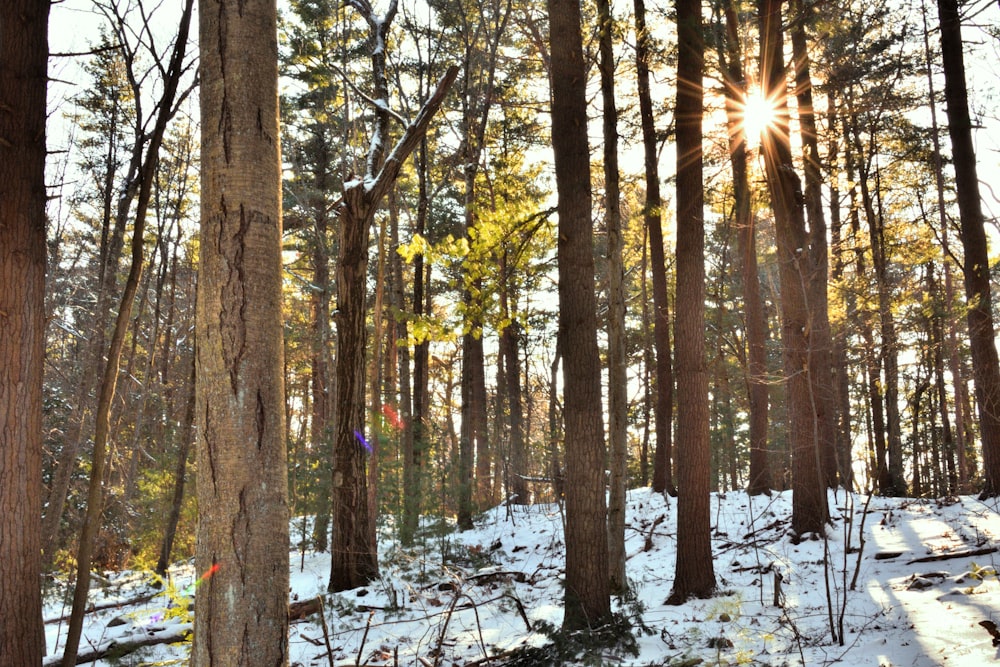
<point x="759" y="113"/>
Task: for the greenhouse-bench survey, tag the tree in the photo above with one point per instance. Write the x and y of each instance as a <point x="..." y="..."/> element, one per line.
<point x="242" y="548"/>
<point x="985" y="364"/>
<point x="588" y="600"/>
<point x="617" y="360"/>
<point x="23" y="83"/>
<point x="354" y="554"/>
<point x="653" y="217"/>
<point x="694" y="574"/>
<point x="731" y="59"/>
<point x="821" y="341"/>
<point x="809" y="509"/>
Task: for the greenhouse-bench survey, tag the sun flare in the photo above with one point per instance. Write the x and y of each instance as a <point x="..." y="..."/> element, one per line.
<point x="758" y="115"/>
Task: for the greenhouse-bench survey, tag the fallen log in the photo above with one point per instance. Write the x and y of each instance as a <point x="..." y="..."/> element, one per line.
<point x="954" y="554"/>
<point x="124" y="646"/>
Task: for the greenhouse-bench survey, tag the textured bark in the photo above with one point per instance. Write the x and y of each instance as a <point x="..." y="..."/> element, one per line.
<point x="587" y="601"/>
<point x="809" y="503"/>
<point x="694" y="575"/>
<point x="753" y="304"/>
<point x="617" y="369"/>
<point x="985" y="364"/>
<point x="23" y="82"/>
<point x="354" y="556"/>
<point x="820" y="338"/>
<point x="663" y="480"/>
<point x="242" y="549"/>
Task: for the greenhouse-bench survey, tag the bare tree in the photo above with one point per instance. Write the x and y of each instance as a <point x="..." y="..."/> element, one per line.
<point x="173" y="72"/>
<point x="354" y="551"/>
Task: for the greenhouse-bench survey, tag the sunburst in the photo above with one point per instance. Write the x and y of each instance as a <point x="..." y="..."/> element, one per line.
<point x="758" y="115"/>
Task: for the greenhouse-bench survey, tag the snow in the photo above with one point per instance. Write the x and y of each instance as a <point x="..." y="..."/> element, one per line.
<point x="457" y="598"/>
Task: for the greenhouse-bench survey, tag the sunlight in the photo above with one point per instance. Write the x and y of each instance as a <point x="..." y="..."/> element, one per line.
<point x="758" y="115"/>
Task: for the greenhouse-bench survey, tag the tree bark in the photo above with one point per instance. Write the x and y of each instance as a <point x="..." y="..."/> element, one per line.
<point x="985" y="364"/>
<point x="243" y="541"/>
<point x="753" y="304"/>
<point x="587" y="601"/>
<point x="820" y="338"/>
<point x="809" y="503"/>
<point x="663" y="481"/>
<point x="354" y="553"/>
<point x="23" y="85"/>
<point x="694" y="575"/>
<point x="617" y="361"/>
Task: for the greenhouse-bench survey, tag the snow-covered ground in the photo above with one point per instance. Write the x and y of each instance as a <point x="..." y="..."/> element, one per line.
<point x="914" y="595"/>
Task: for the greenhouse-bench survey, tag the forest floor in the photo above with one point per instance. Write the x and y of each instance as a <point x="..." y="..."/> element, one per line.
<point x="915" y="594"/>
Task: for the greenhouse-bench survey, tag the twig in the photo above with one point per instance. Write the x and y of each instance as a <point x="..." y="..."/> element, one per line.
<point x="364" y="637"/>
<point x="439" y="651"/>
<point x="326" y="633"/>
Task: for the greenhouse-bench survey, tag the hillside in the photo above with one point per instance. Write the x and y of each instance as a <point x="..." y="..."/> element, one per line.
<point x="924" y="581"/>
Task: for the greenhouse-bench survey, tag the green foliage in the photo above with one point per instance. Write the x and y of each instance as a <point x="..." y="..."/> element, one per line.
<point x="179" y="602"/>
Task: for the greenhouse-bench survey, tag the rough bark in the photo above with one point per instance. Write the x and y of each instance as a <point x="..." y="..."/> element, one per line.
<point x="354" y="553"/>
<point x="242" y="550"/>
<point x="694" y="574"/>
<point x="985" y="364"/>
<point x="23" y="83"/>
<point x="663" y="481"/>
<point x="587" y="601"/>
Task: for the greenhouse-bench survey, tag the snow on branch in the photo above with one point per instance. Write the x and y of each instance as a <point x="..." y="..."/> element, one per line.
<point x="378" y="186"/>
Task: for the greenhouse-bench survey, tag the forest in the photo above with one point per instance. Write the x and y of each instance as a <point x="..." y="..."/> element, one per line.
<point x="323" y="277"/>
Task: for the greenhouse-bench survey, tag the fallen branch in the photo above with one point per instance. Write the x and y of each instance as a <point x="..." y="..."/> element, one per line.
<point x="109" y="605"/>
<point x="954" y="554"/>
<point x="119" y="648"/>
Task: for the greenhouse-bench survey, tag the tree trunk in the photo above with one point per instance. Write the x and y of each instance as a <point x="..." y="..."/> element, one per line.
<point x="414" y="444"/>
<point x="982" y="340"/>
<point x="841" y="369"/>
<point x="949" y="343"/>
<point x="242" y="481"/>
<point x="180" y="476"/>
<point x="663" y="481"/>
<point x="753" y="303"/>
<point x="587" y="601"/>
<point x="820" y="339"/>
<point x="23" y="84"/>
<point x="617" y="361"/>
<point x="809" y="504"/>
<point x="694" y="575"/>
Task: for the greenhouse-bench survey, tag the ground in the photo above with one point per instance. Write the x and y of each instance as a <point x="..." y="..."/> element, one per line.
<point x="913" y="594"/>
